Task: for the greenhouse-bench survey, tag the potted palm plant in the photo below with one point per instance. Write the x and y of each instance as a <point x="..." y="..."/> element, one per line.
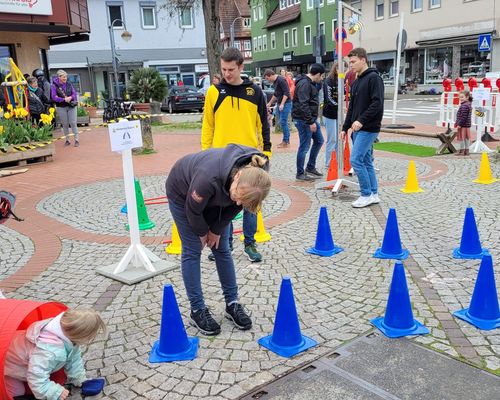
<point x="146" y="85"/>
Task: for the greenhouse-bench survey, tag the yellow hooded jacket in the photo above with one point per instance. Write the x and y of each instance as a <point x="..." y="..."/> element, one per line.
<point x="235" y="114"/>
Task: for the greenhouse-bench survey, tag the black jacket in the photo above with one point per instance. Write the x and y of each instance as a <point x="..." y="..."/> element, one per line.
<point x="305" y="100"/>
<point x="331" y="96"/>
<point x="281" y="89"/>
<point x="201" y="182"/>
<point x="367" y="102"/>
<point x="37" y="101"/>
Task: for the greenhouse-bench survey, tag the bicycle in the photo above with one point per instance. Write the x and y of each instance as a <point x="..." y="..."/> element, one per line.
<point x="116" y="108"/>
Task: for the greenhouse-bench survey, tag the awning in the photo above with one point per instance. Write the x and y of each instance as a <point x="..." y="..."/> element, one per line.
<point x="454" y="39"/>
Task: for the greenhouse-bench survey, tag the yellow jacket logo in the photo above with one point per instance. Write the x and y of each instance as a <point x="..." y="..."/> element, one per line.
<point x="250" y="91"/>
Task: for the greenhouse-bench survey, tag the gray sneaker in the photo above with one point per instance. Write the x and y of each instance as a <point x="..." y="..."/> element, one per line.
<point x="252" y="253"/>
<point x="303" y="177"/>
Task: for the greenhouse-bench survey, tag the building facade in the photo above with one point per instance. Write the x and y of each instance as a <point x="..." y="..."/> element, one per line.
<point x="284" y="31"/>
<point x="170" y="40"/>
<point x="27" y="32"/>
<point x="236" y="22"/>
<point x="445" y="38"/>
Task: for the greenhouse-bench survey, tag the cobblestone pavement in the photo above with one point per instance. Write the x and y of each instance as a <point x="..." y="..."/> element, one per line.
<point x="336" y="297"/>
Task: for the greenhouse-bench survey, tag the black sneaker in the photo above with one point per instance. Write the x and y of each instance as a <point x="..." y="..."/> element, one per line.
<point x="237" y="314"/>
<point x="252" y="253"/>
<point x="303" y="177"/>
<point x="203" y="320"/>
<point x="67" y="143"/>
<point x="77" y="143"/>
<point x="314" y="172"/>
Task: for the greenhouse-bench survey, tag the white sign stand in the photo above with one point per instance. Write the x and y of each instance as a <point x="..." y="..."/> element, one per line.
<point x="480" y="95"/>
<point x="138" y="263"/>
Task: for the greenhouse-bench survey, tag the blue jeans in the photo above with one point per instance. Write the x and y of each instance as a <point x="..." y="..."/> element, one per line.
<point x="332" y="142"/>
<point x="249" y="227"/>
<point x="190" y="260"/>
<point x="283" y="116"/>
<point x="305" y="136"/>
<point x="362" y="161"/>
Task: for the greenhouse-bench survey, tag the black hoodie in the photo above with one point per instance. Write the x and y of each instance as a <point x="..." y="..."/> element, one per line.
<point x="201" y="182"/>
<point x="367" y="102"/>
<point x="305" y="100"/>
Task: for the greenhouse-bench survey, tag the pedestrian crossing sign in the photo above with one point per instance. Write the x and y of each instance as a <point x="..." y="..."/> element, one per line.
<point x="484" y="42"/>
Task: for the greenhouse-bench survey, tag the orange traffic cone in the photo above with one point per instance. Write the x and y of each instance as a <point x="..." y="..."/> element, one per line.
<point x="347" y="156"/>
<point x="333" y="173"/>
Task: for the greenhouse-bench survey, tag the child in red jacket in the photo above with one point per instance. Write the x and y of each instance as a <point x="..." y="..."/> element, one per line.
<point x="463" y="123"/>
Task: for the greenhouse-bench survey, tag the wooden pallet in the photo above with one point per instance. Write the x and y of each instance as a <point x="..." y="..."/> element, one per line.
<point x="17" y="158"/>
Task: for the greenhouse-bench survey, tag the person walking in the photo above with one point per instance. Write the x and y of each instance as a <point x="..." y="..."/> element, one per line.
<point x="463" y="123"/>
<point x="363" y="121"/>
<point x="305" y="109"/>
<point x="330" y="108"/>
<point x="64" y="95"/>
<point x="283" y="101"/>
<point x="235" y="112"/>
<point x="205" y="191"/>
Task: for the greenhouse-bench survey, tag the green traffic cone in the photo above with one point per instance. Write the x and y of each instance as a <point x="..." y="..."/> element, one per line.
<point x="142" y="212"/>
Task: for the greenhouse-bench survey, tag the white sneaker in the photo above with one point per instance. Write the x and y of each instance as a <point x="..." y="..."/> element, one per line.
<point x="375" y="198"/>
<point x="363" y="201"/>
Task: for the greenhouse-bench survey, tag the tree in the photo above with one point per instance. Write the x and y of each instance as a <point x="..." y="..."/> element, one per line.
<point x="212" y="25"/>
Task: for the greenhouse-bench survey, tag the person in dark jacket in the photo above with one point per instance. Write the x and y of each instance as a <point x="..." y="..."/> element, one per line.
<point x="38" y="103"/>
<point x="43" y="83"/>
<point x="205" y="192"/>
<point x="64" y="95"/>
<point x="363" y="120"/>
<point x="283" y="102"/>
<point x="305" y="110"/>
<point x="463" y="123"/>
<point x="330" y="108"/>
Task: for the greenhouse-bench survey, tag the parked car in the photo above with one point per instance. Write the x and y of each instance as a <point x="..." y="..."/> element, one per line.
<point x="183" y="98"/>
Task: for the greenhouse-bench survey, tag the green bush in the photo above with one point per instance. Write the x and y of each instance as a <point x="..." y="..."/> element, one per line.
<point x="147" y="85"/>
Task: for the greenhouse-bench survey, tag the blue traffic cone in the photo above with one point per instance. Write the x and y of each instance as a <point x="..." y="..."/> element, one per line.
<point x="286" y="339"/>
<point x="470" y="246"/>
<point x="123" y="210"/>
<point x="398" y="320"/>
<point x="483" y="311"/>
<point x="174" y="344"/>
<point x="391" y="245"/>
<point x="324" y="241"/>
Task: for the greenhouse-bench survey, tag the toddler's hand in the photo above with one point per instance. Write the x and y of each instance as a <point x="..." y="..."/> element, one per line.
<point x="64" y="395"/>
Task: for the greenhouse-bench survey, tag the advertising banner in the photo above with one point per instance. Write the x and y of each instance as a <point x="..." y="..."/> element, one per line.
<point x="35" y="7"/>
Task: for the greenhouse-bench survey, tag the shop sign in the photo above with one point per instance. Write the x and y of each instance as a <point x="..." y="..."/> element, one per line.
<point x="287" y="56"/>
<point x="35" y="7"/>
<point x="199" y="67"/>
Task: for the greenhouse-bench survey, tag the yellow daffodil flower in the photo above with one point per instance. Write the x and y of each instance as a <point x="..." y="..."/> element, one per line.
<point x="9" y="107"/>
<point x="1" y="129"/>
<point x="7" y="115"/>
<point x="52" y="110"/>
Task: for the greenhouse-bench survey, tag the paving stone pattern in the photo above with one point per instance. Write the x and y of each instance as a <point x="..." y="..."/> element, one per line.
<point x="15" y="251"/>
<point x="96" y="207"/>
<point x="336" y="296"/>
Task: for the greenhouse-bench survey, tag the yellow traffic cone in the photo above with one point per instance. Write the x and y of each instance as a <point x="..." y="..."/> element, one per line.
<point x="176" y="246"/>
<point x="485" y="176"/>
<point x="261" y="235"/>
<point x="412" y="181"/>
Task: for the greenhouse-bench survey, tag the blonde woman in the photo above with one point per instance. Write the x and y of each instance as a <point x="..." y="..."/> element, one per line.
<point x="49" y="346"/>
<point x="205" y="192"/>
<point x="64" y="95"/>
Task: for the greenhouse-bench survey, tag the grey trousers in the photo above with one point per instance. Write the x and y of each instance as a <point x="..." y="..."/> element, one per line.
<point x="67" y="116"/>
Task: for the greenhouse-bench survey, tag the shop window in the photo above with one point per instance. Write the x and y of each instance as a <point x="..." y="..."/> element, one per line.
<point x="473" y="63"/>
<point x="379" y="9"/>
<point x="74" y="79"/>
<point x="438" y="64"/>
<point x="5" y="54"/>
<point x="247" y="45"/>
<point x="386" y="70"/>
<point x="273" y="40"/>
<point x="434" y="3"/>
<point x="307" y="35"/>
<point x="416" y="5"/>
<point x="115" y="13"/>
<point x="394" y="8"/>
<point x="186" y="18"/>
<point x="148" y="17"/>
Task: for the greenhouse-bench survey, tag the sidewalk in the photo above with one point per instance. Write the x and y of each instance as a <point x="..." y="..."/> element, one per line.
<point x="73" y="225"/>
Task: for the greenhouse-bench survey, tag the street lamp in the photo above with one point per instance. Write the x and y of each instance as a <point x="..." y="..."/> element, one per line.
<point x="231" y="31"/>
<point x="126" y="35"/>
